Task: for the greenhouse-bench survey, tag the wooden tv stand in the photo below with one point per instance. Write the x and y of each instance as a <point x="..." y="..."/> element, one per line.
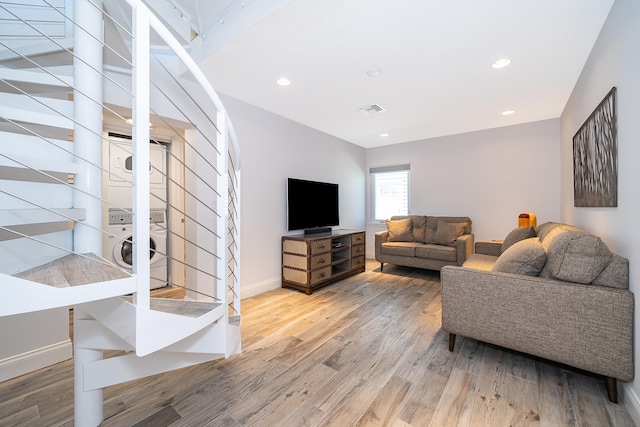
<point x="310" y="261"/>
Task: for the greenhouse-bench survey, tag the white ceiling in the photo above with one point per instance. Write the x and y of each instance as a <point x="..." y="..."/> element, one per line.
<point x="435" y="59"/>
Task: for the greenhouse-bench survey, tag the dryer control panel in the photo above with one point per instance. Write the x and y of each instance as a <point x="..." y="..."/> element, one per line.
<point x="117" y="216"/>
<point x="156" y="216"/>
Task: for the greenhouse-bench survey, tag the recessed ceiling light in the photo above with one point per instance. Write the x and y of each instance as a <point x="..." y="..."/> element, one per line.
<point x="508" y="112"/>
<point x="374" y="72"/>
<point x="283" y="81"/>
<point x="129" y="121"/>
<point x="501" y="63"/>
<point x="384" y="135"/>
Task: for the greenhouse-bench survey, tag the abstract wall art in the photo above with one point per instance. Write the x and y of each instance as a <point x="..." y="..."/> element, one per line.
<point x="595" y="157"/>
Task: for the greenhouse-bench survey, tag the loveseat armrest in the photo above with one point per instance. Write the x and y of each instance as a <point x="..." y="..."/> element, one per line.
<point x="585" y="326"/>
<point x="380" y="238"/>
<point x="464" y="248"/>
<point x="489" y="247"/>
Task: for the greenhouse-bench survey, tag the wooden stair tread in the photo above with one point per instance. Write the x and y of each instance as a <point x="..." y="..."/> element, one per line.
<point x="73" y="270"/>
<point x="180" y="307"/>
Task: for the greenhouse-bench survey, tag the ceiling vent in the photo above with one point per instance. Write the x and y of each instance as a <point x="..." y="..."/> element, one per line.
<point x="368" y="110"/>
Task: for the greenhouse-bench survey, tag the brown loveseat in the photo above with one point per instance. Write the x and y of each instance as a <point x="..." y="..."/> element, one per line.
<point x="429" y="242"/>
<point x="558" y="293"/>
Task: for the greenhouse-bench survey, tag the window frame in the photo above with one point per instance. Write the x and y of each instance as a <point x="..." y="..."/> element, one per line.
<point x="373" y="172"/>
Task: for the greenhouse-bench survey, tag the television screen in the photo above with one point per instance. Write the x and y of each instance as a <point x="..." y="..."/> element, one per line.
<point x="311" y="204"/>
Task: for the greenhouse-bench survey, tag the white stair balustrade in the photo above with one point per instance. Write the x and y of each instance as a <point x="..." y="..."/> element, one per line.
<point x="50" y="216"/>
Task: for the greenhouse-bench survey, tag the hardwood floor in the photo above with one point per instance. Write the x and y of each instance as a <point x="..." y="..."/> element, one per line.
<point x="368" y="350"/>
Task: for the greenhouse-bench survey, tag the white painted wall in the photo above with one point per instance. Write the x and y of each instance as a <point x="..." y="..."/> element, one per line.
<point x="490" y="176"/>
<point x="614" y="61"/>
<point x="272" y="149"/>
<point x="33" y="341"/>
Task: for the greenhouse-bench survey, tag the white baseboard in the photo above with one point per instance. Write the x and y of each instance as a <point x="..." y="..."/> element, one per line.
<point x="260" y="287"/>
<point x="33" y="360"/>
<point x="631" y="402"/>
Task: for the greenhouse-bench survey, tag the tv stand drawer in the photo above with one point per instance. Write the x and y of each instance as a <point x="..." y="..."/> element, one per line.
<point x="320" y="246"/>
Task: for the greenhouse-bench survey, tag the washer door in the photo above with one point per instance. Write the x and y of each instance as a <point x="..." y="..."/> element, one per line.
<point x="123" y="252"/>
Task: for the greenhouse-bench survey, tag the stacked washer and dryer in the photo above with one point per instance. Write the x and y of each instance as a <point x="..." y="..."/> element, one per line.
<point x="120" y="222"/>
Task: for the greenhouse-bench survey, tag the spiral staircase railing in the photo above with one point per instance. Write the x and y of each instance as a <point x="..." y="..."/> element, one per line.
<point x="78" y="97"/>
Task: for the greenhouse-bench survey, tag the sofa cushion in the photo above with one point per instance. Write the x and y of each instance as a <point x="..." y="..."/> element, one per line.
<point x="543" y="229"/>
<point x="400" y="230"/>
<point x="437" y="252"/>
<point x="418" y="223"/>
<point x="525" y="257"/>
<point x="615" y="274"/>
<point x="574" y="255"/>
<point x="480" y="261"/>
<point x="430" y="231"/>
<point x="406" y="249"/>
<point x="516" y="235"/>
<point x="447" y="233"/>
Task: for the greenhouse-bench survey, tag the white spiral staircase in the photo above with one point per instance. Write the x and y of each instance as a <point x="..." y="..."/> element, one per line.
<point x="63" y="82"/>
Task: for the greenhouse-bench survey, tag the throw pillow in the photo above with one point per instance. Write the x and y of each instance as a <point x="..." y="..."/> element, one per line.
<point x="400" y="230"/>
<point x="448" y="232"/>
<point x="577" y="256"/>
<point x="525" y="257"/>
<point x="516" y="235"/>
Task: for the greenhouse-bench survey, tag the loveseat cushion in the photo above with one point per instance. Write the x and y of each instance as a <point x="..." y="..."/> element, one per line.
<point x="433" y="221"/>
<point x="418" y="224"/>
<point x="575" y="255"/>
<point x="400" y="230"/>
<point x="406" y="249"/>
<point x="526" y="257"/>
<point x="437" y="252"/>
<point x="447" y="233"/>
<point x="516" y="235"/>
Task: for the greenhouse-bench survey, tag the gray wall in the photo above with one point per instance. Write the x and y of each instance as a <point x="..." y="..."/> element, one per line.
<point x="490" y="176"/>
<point x="614" y="61"/>
<point x="272" y="149"/>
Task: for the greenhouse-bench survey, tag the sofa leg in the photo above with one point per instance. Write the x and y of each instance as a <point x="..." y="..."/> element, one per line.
<point x="612" y="389"/>
<point x="452" y="341"/>
<point x="381" y="266"/>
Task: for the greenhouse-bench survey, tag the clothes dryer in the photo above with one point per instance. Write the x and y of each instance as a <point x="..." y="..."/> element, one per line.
<point x="120" y="167"/>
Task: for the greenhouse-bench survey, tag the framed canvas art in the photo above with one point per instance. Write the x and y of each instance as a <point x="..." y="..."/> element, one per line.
<point x="595" y="157"/>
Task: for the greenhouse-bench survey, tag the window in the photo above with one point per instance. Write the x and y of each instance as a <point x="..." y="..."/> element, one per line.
<point x="389" y="191"/>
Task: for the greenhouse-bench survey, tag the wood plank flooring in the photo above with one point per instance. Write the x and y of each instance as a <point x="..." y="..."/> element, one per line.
<point x="366" y="351"/>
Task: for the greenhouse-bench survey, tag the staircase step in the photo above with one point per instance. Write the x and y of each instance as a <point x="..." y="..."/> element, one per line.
<point x="38" y="48"/>
<point x="35" y="77"/>
<point x="73" y="270"/>
<point x="9" y="217"/>
<point x="186" y="308"/>
<point x="39" y="110"/>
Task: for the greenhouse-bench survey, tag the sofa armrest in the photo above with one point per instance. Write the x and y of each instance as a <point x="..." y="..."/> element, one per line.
<point x="380" y="238"/>
<point x="489" y="247"/>
<point x="464" y="248"/>
<point x="585" y="326"/>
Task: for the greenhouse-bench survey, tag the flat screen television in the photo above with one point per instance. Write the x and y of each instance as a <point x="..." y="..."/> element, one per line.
<point x="312" y="206"/>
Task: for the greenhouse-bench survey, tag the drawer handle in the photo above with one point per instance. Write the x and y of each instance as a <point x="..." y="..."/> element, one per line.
<point x="321" y="275"/>
<point x="321" y="261"/>
<point x="321" y="246"/>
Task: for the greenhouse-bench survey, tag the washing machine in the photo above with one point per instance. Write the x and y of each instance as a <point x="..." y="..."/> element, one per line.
<point x="121" y="243"/>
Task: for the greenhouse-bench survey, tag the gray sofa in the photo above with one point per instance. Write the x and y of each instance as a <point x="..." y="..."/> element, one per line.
<point x="558" y="293"/>
<point x="429" y="242"/>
